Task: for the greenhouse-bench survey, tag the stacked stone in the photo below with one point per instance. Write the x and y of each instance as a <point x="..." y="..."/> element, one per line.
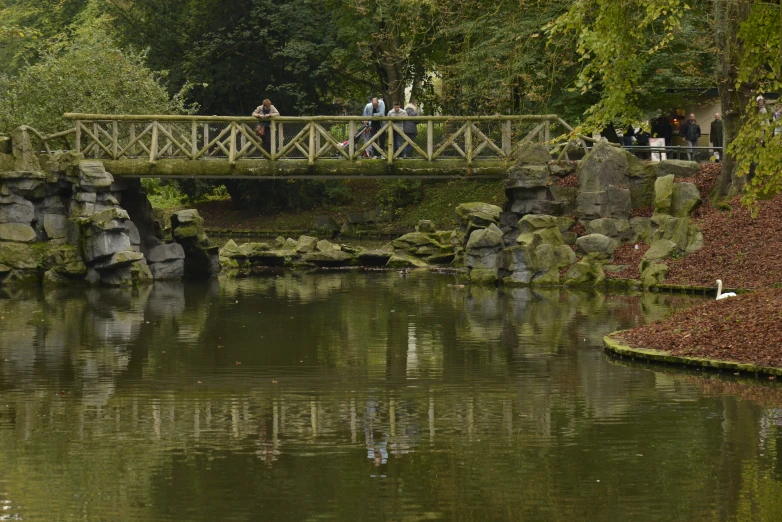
<point x="423" y="248"/>
<point x="674" y="234"/>
<point x="540" y="253"/>
<point x="61" y="221"/>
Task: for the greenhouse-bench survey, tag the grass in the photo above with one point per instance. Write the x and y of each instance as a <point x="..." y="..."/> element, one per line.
<point x="438" y="202"/>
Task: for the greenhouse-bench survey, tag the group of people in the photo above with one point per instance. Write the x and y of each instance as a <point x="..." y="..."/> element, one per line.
<point x="690" y="131"/>
<point x="375" y="107"/>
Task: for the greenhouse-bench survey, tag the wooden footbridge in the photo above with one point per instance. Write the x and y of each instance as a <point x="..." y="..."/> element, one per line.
<point x="309" y="147"/>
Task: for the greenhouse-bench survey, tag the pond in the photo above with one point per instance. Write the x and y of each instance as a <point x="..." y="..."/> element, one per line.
<point x="365" y="396"/>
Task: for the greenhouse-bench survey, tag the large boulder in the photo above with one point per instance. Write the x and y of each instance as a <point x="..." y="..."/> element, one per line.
<point x="18" y="232"/>
<point x="613" y="202"/>
<point x="677" y="168"/>
<point x="173" y="269"/>
<point x="663" y="193"/>
<point x="527" y="176"/>
<point x="653" y="275"/>
<point x="55" y="226"/>
<point x="490" y="237"/>
<point x="19" y="255"/>
<point x="688" y="237"/>
<point x="533" y="153"/>
<point x="684" y="200"/>
<point x="597" y="245"/>
<point x="477" y="215"/>
<point x="92" y="176"/>
<point x="16" y="209"/>
<point x="166" y="252"/>
<point x="374" y="257"/>
<point x="306" y="244"/>
<point x="332" y="258"/>
<point x="585" y="273"/>
<point x="642" y="176"/>
<point x="603" y="167"/>
<point x="400" y="260"/>
<point x="25" y="158"/>
<point x="660" y="249"/>
<point x="618" y="229"/>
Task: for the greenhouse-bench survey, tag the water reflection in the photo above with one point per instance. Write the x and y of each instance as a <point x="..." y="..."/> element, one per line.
<point x="364" y="396"/>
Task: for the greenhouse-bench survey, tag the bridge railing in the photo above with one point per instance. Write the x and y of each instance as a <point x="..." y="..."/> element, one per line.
<point x="313" y="138"/>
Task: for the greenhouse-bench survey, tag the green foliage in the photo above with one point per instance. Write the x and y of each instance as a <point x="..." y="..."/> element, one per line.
<point x="239" y="52"/>
<point x="89" y="74"/>
<point x="400" y="193"/>
<point x="614" y="43"/>
<point x="758" y="145"/>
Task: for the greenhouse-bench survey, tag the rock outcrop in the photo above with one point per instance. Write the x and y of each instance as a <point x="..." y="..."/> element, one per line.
<point x="61" y="222"/>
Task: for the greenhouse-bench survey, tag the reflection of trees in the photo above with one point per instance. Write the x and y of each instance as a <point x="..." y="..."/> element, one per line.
<point x="498" y="398"/>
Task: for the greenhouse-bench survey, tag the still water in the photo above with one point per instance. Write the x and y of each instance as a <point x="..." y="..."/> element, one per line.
<point x="355" y="396"/>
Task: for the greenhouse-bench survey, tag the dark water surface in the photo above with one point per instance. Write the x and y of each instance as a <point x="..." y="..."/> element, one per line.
<point x="351" y="396"/>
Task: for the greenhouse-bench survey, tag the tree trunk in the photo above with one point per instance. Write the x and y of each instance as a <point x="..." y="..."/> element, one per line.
<point x="232" y="186"/>
<point x="728" y="16"/>
<point x="390" y="63"/>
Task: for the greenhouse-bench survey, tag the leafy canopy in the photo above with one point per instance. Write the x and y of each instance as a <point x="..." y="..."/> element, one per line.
<point x="89" y="74"/>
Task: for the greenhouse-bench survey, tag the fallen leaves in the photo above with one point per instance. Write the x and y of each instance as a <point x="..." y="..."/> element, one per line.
<point x="756" y="339"/>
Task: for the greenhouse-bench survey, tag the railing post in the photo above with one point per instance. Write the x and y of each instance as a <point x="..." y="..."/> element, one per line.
<point x="351" y="139"/>
<point x="280" y="135"/>
<point x="114" y="140"/>
<point x="390" y="138"/>
<point x="193" y="139"/>
<point x="78" y="136"/>
<point x="232" y="147"/>
<point x="311" y="151"/>
<point x="547" y="133"/>
<point x="153" y="145"/>
<point x="273" y="138"/>
<point x="507" y="131"/>
<point x="468" y="142"/>
<point x="132" y="150"/>
<point x="96" y="133"/>
<point x="429" y="140"/>
<point x="206" y="135"/>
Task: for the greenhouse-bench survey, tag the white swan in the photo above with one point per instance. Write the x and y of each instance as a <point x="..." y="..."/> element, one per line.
<point x="720" y="295"/>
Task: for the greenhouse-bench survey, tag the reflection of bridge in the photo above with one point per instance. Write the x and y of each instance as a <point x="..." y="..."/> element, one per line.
<point x="301" y="147"/>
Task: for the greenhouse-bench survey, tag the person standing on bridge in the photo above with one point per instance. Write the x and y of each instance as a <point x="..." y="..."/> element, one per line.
<point x="397" y="112"/>
<point x="374" y="108"/>
<point x="265" y="111"/>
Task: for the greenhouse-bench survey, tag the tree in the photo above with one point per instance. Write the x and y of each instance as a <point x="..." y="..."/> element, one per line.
<point x="616" y="40"/>
<point x="89" y="74"/>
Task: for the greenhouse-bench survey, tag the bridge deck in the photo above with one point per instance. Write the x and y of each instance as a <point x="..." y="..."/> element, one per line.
<point x="317" y="147"/>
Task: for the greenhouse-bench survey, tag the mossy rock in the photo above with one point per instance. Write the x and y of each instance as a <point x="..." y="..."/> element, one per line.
<point x="654" y="275"/>
<point x="484" y="276"/>
<point x="585" y="274"/>
<point x="398" y="260"/>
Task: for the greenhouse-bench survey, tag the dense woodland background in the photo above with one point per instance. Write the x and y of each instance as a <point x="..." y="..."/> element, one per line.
<point x="591" y="61"/>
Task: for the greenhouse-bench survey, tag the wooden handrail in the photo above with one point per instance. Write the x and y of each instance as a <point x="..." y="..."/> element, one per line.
<point x="245" y="119"/>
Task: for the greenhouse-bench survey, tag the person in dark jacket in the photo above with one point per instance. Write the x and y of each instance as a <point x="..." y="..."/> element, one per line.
<point x="609" y="133"/>
<point x="642" y="138"/>
<point x="666" y="131"/>
<point x="715" y="136"/>
<point x="627" y="137"/>
<point x="410" y="128"/>
<point x="691" y="132"/>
